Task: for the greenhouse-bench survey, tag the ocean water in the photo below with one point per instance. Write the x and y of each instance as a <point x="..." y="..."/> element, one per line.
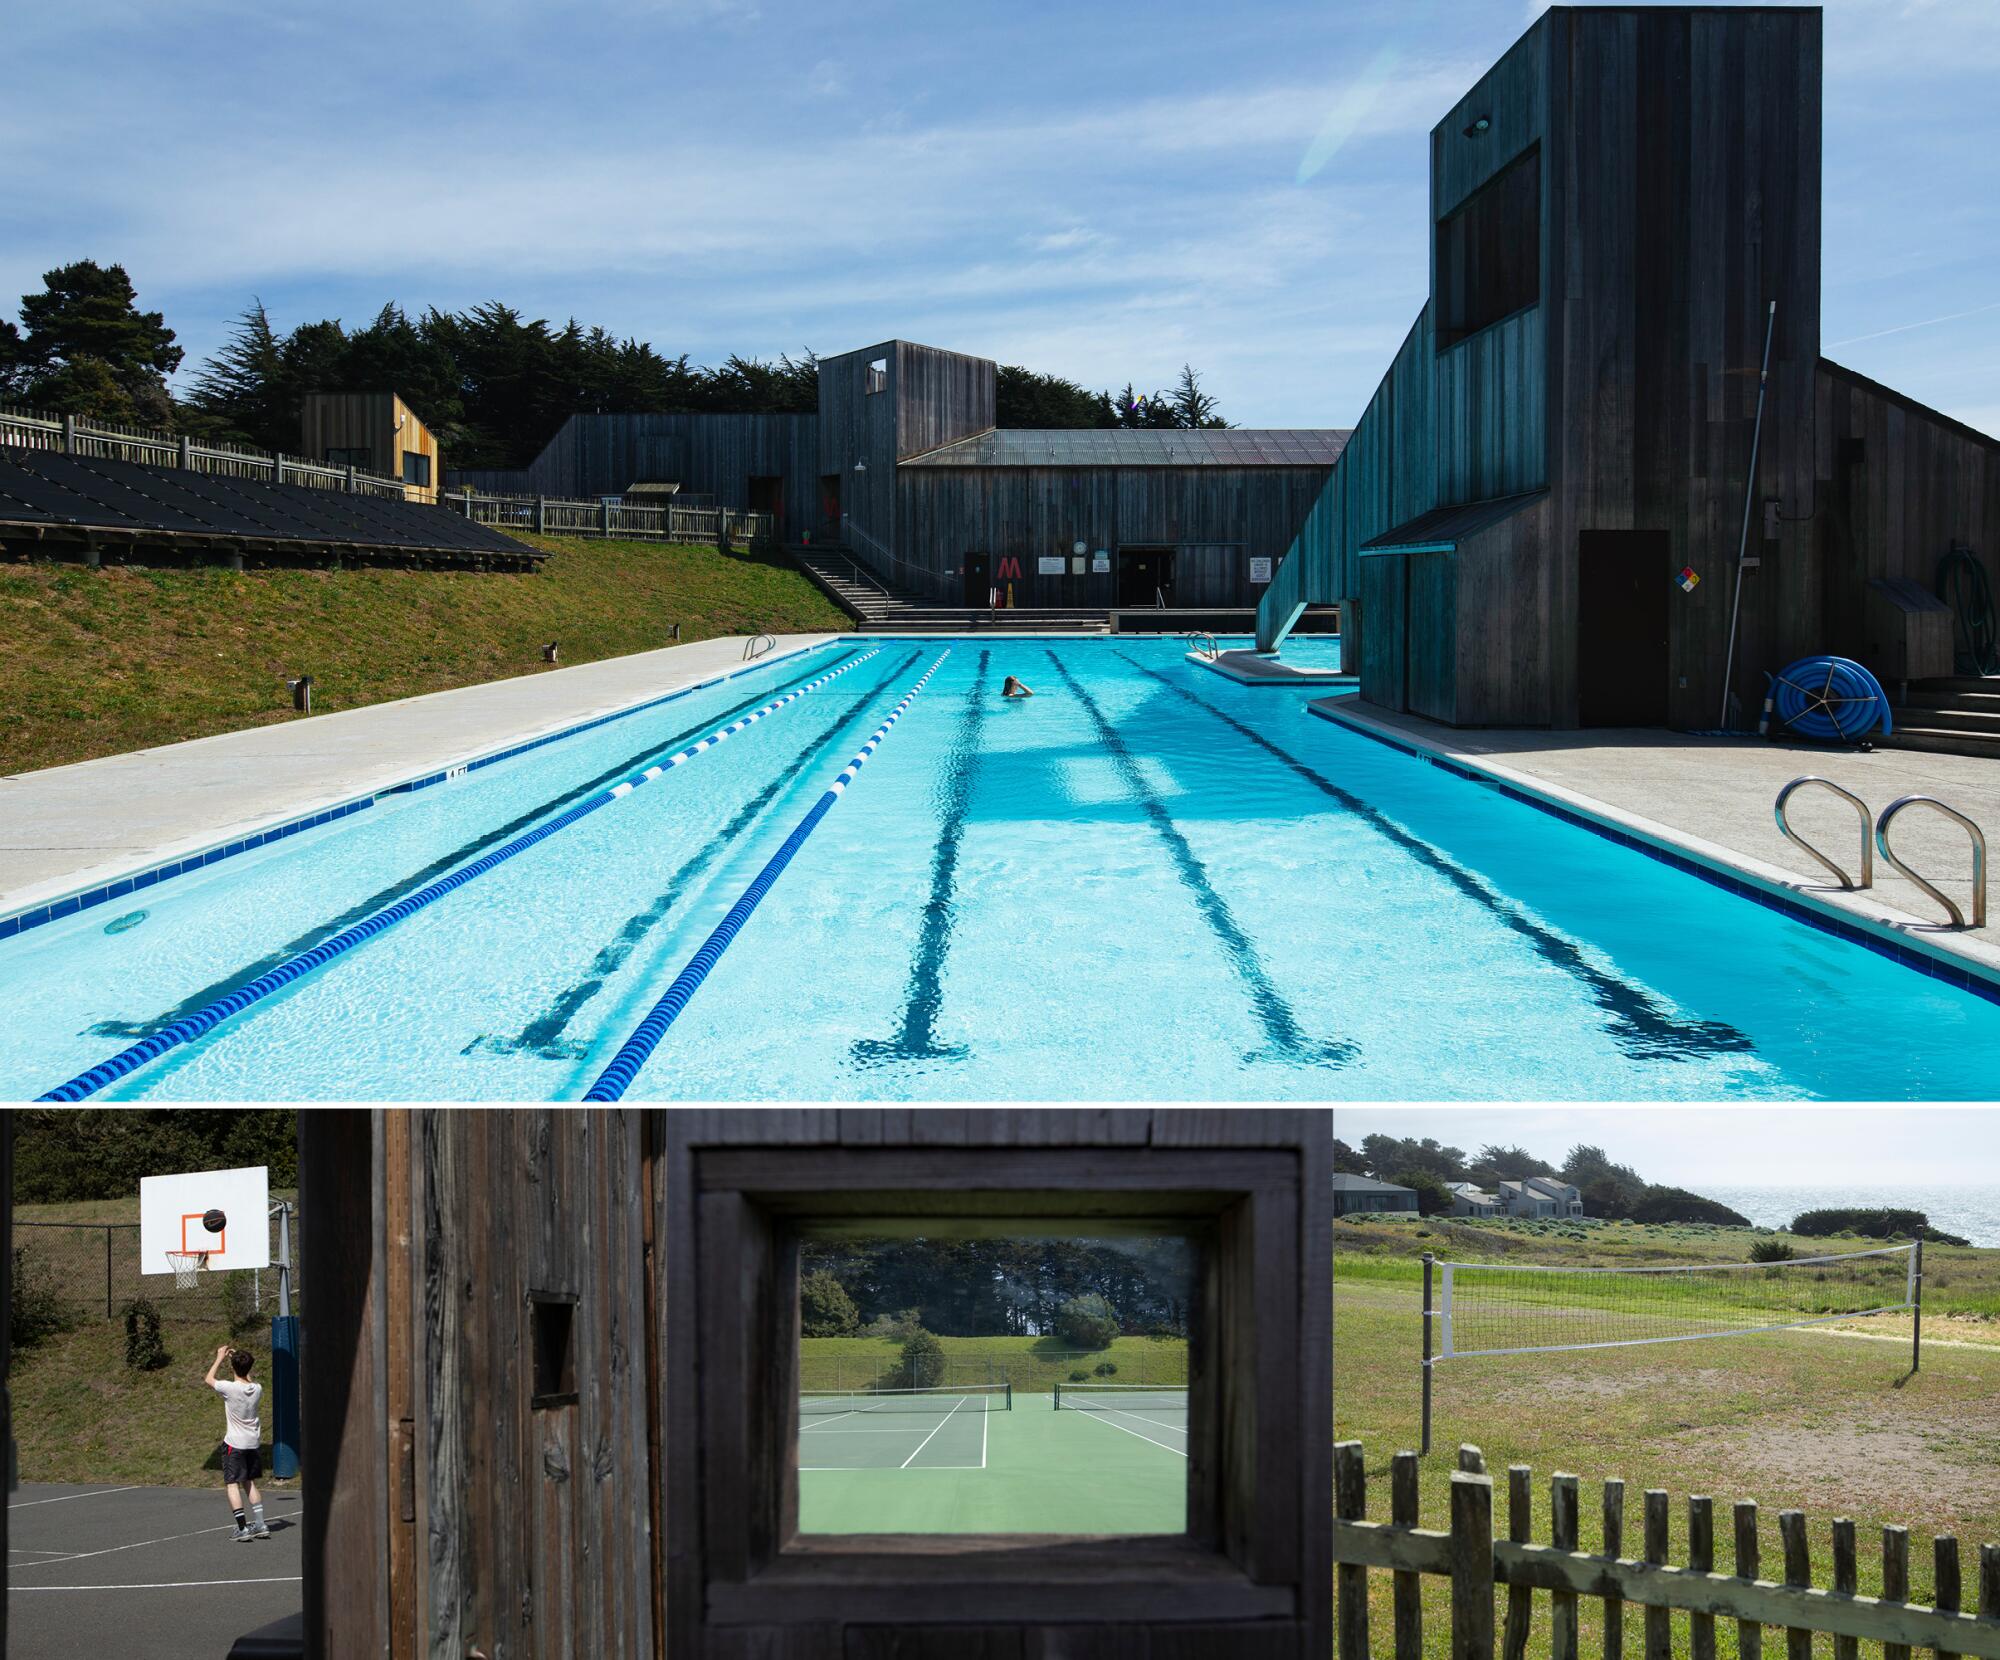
<point x="1147" y="882"/>
<point x="1970" y="1210"/>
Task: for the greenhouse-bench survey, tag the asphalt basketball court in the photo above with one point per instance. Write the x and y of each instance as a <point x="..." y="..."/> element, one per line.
<point x="98" y="1569"/>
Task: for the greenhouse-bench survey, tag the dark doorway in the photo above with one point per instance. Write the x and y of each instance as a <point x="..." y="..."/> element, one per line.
<point x="978" y="580"/>
<point x="1145" y="576"/>
<point x="1621" y="628"/>
<point x="829" y="507"/>
<point x="767" y="495"/>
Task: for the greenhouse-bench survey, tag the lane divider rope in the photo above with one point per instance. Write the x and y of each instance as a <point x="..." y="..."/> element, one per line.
<point x="616" y="1078"/>
<point x="203" y="1020"/>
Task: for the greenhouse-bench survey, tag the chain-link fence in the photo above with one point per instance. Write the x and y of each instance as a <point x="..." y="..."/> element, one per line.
<point x="90" y="1270"/>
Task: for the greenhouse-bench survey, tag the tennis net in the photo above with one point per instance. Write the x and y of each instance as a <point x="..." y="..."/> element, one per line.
<point x="1121" y="1397"/>
<point x="976" y="1397"/>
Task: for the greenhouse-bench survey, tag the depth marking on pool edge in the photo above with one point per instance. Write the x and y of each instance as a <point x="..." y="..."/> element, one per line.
<point x="198" y="1000"/>
<point x="86" y="1084"/>
<point x="543" y="1035"/>
<point x="1640" y="1026"/>
<point x="1281" y="1026"/>
<point x="616" y="1078"/>
<point x="924" y="995"/>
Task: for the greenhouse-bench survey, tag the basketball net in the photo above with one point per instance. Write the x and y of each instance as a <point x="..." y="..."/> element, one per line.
<point x="187" y="1267"/>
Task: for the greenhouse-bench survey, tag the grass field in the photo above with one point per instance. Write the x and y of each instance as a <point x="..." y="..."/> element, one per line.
<point x="1030" y="1363"/>
<point x="1819" y="1419"/>
<point x="98" y="662"/>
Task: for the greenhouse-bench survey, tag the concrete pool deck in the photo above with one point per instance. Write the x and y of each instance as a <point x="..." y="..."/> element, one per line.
<point x="1711" y="799"/>
<point x="68" y="828"/>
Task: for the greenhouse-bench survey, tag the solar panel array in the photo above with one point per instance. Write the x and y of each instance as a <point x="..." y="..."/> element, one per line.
<point x="39" y="488"/>
<point x="1142" y="447"/>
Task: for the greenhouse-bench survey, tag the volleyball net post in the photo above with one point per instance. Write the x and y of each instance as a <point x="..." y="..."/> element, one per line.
<point x="1430" y="1263"/>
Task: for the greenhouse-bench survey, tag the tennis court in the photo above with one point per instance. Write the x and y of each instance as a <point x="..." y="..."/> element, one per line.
<point x="986" y="1459"/>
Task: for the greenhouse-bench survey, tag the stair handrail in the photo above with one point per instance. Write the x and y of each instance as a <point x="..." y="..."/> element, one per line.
<point x="1867" y="848"/>
<point x="1978" y="856"/>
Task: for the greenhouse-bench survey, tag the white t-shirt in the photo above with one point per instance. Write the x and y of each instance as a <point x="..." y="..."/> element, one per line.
<point x="239" y="1410"/>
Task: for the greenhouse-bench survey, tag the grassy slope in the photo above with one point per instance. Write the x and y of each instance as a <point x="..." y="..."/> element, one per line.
<point x="98" y="662"/>
<point x="1032" y="1364"/>
<point x="1824" y="1423"/>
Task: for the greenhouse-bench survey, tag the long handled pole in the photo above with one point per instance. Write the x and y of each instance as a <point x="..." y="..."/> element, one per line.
<point x="1917" y="1308"/>
<point x="1429" y="1260"/>
<point x="1749" y="496"/>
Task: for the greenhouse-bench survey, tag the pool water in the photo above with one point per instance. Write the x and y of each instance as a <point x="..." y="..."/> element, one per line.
<point x="1144" y="882"/>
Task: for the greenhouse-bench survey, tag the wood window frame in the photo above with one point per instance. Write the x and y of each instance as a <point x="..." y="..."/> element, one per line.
<point x="1258" y="1541"/>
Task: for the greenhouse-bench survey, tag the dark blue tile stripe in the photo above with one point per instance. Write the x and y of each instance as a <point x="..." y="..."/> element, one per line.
<point x="21" y="921"/>
<point x="1961" y="976"/>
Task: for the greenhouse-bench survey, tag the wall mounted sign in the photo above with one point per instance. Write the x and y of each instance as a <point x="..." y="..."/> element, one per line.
<point x="1049" y="564"/>
<point x="1100" y="561"/>
<point x="1260" y="570"/>
<point x="1010" y="568"/>
<point x="1687" y="579"/>
<point x="1079" y="547"/>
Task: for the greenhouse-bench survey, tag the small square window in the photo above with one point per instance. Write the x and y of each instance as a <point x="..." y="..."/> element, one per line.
<point x="552" y="1315"/>
<point x="416" y="468"/>
<point x="878" y="376"/>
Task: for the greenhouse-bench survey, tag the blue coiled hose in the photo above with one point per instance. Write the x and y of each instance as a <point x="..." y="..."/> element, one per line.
<point x="1827" y="697"/>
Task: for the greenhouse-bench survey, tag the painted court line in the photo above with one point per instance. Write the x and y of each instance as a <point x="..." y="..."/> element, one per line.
<point x="102" y="1492"/>
<point x="139" y="1544"/>
<point x="928" y="1439"/>
<point x="160" y="1585"/>
<point x="1103" y="1418"/>
<point x="833" y="1420"/>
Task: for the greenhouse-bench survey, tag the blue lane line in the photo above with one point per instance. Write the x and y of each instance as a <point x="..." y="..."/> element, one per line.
<point x="616" y="1078"/>
<point x="86" y="1084"/>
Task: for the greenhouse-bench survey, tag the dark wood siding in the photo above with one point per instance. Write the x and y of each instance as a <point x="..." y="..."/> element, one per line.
<point x="940" y="397"/>
<point x="857" y="426"/>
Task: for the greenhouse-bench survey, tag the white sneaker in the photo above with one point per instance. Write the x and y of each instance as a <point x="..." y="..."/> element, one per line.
<point x="261" y="1531"/>
<point x="240" y="1535"/>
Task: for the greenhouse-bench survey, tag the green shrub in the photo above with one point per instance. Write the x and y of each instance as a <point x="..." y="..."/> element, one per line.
<point x="35" y="1309"/>
<point x="1087" y="1322"/>
<point x="1771" y="1250"/>
<point x="145" y="1350"/>
<point x="1079" y="1375"/>
<point x="1104" y="1368"/>
<point x="922" y="1365"/>
<point x="825" y="1309"/>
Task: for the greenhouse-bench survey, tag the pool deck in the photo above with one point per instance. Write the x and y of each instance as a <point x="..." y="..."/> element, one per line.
<point x="1711" y="799"/>
<point x="68" y="828"/>
<point x="1247" y="668"/>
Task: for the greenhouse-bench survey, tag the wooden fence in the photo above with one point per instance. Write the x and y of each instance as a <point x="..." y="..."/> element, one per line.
<point x="149" y="447"/>
<point x="1477" y="1564"/>
<point x="720" y="527"/>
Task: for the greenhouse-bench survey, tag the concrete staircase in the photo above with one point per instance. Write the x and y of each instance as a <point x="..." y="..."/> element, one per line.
<point x="1954" y="715"/>
<point x="881" y="608"/>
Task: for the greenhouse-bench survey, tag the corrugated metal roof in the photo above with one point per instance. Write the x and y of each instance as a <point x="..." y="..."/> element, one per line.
<point x="1141" y="447"/>
<point x="1343" y="1183"/>
<point x="1443" y="528"/>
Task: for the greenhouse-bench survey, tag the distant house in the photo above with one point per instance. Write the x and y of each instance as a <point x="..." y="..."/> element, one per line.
<point x="1540" y="1196"/>
<point x="1470" y="1199"/>
<point x="372" y="432"/>
<point x="1352" y="1194"/>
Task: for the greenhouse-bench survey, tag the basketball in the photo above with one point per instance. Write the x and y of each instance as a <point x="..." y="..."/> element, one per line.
<point x="214" y="1221"/>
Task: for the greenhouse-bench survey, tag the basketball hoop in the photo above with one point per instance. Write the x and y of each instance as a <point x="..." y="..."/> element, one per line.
<point x="187" y="1267"/>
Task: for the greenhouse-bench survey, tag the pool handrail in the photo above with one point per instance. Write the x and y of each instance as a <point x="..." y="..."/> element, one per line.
<point x="1978" y="856"/>
<point x="1867" y="847"/>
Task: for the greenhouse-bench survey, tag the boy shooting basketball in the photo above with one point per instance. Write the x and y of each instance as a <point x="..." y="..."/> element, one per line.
<point x="242" y="1439"/>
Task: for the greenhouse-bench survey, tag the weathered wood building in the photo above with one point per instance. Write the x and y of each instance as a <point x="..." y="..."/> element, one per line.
<point x="372" y="432"/>
<point x="904" y="467"/>
<point x="1621" y="207"/>
<point x="551" y="1378"/>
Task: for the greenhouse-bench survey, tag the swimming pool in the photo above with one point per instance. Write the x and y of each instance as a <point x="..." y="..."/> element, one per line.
<point x="1145" y="882"/>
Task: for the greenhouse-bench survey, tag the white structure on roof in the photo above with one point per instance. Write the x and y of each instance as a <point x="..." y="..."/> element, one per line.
<point x="1470" y="1199"/>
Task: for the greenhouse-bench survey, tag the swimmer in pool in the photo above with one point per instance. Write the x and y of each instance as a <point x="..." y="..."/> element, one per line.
<point x="1014" y="688"/>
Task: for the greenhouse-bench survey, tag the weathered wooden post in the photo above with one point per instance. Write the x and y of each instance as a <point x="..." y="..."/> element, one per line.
<point x="1701" y="1558"/>
<point x="1471" y="1554"/>
<point x="1917" y="1307"/>
<point x="1350" y="1504"/>
<point x="1989" y="1582"/>
<point x="541" y="515"/>
<point x="1659" y="1628"/>
<point x="277" y="469"/>
<point x="1798" y="1571"/>
<point x="187" y="453"/>
<point x="351" y="470"/>
<point x="1846" y="1580"/>
<point x="1562" y="1535"/>
<point x="1614" y="1547"/>
<point x="1895" y="1580"/>
<point x="604" y="515"/>
<point x="1947" y="1587"/>
<point x="1429" y="1263"/>
<point x="69" y="434"/>
<point x="1520" y="1599"/>
<point x="1406" y="1589"/>
<point x="1749" y="1634"/>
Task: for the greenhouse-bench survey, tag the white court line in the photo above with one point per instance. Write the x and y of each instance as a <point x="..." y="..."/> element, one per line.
<point x="28" y="1550"/>
<point x="833" y="1420"/>
<point x="163" y="1585"/>
<point x="928" y="1439"/>
<point x="1178" y="1452"/>
<point x="984" y="1424"/>
<point x="102" y="1492"/>
<point x="851" y="1469"/>
<point x="140" y="1544"/>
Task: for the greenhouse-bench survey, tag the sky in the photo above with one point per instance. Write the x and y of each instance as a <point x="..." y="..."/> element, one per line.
<point x="1103" y="191"/>
<point x="1736" y="1146"/>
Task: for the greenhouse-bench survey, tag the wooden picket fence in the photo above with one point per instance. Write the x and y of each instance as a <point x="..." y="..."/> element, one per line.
<point x="1476" y="1563"/>
<point x="720" y="527"/>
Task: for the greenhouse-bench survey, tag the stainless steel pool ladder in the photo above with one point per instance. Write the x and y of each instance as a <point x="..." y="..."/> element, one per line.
<point x="1867" y="846"/>
<point x="1978" y="856"/>
<point x="768" y="642"/>
<point x="1880" y="838"/>
<point x="1213" y="652"/>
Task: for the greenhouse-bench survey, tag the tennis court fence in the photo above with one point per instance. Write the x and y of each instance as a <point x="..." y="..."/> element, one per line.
<point x="90" y="1271"/>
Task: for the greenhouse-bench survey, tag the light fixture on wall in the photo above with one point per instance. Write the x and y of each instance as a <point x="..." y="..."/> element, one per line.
<point x="1480" y="124"/>
<point x="861" y="466"/>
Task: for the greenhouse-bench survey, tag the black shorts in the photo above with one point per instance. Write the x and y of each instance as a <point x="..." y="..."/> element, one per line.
<point x="241" y="1464"/>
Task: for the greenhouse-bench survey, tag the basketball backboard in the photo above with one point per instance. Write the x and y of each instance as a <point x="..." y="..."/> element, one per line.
<point x="171" y="1209"/>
